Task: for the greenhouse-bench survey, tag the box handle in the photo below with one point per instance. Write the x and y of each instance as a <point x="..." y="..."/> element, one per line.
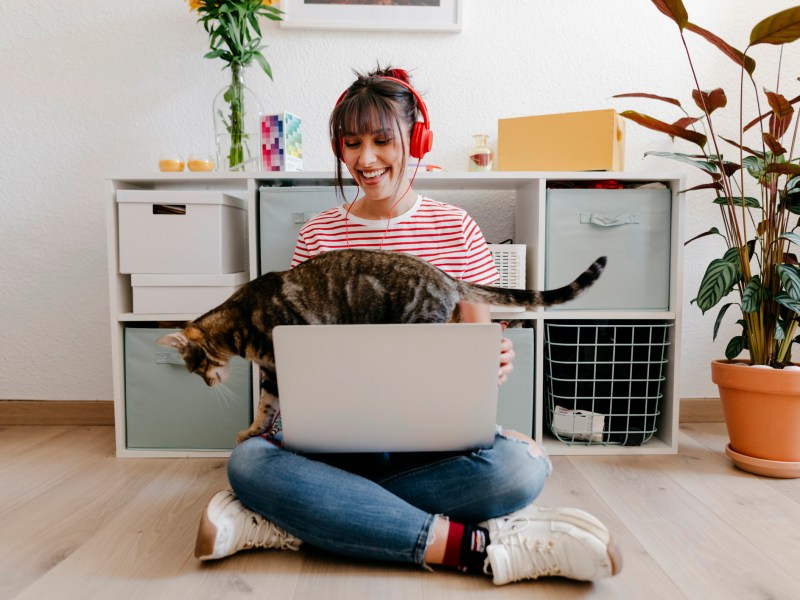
<point x="298" y="218"/>
<point x="169" y="358"/>
<point x="169" y="209"/>
<point x="605" y="221"/>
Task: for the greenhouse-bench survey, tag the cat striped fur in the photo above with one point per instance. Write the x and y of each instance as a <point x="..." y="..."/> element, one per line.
<point x="342" y="287"/>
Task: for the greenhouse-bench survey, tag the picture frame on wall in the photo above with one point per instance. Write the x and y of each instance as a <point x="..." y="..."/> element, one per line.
<point x="373" y="15"/>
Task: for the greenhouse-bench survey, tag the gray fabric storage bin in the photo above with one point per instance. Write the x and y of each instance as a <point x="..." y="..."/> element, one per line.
<point x="515" y="400"/>
<point x="629" y="226"/>
<point x="167" y="407"/>
<point x="283" y="212"/>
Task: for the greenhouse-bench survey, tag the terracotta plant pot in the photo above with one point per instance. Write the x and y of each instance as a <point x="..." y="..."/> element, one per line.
<point x="762" y="413"/>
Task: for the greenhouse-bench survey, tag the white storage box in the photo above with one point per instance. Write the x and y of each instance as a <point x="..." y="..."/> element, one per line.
<point x="182" y="294"/>
<point x="629" y="226"/>
<point x="510" y="262"/>
<point x="181" y="232"/>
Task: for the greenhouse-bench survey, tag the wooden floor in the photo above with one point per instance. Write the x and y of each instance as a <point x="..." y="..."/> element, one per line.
<point x="77" y="523"/>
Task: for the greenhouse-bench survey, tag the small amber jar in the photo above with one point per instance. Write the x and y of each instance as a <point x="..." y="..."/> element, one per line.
<point x="200" y="162"/>
<point x="170" y="163"/>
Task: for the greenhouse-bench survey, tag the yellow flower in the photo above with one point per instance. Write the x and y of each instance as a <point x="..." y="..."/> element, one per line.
<point x="195" y="4"/>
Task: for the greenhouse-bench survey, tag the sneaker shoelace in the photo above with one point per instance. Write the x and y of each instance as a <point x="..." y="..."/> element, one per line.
<point x="261" y="533"/>
<point x="530" y="557"/>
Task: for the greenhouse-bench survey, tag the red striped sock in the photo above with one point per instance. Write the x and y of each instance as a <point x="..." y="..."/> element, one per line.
<point x="466" y="547"/>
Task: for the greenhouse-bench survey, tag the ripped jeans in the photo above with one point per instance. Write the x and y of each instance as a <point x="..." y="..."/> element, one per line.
<point x="383" y="506"/>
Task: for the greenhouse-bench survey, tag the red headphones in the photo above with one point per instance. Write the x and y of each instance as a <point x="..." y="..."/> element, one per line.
<point x="421" y="134"/>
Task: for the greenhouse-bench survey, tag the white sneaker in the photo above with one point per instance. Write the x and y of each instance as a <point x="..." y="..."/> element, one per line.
<point x="227" y="527"/>
<point x="538" y="542"/>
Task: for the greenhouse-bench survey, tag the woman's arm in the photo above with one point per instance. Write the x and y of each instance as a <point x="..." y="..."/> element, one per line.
<point x="479" y="313"/>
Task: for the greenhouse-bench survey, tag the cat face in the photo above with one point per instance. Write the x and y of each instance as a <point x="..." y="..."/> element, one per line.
<point x="198" y="359"/>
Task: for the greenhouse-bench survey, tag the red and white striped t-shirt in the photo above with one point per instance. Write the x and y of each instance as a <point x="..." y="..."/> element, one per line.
<point x="444" y="235"/>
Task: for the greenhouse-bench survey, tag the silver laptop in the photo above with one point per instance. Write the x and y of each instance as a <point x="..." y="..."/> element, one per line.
<point x="388" y="388"/>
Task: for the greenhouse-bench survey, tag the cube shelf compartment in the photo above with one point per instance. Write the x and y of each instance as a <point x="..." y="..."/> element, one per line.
<point x="506" y="205"/>
<point x="604" y="381"/>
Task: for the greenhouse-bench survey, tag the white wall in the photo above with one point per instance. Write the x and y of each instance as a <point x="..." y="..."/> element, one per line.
<point x="93" y="89"/>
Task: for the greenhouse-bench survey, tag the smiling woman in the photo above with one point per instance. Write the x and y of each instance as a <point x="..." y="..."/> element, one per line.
<point x="468" y="510"/>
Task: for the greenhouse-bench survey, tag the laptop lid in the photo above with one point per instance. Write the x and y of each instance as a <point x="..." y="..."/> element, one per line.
<point x="388" y="388"/>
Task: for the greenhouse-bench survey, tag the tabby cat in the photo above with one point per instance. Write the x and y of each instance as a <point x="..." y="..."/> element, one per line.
<point x="342" y="287"/>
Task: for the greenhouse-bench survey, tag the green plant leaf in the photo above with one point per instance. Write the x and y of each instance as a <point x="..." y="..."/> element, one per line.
<point x="264" y="64"/>
<point x="747" y="63"/>
<point x="792" y="237"/>
<point x="721" y="314"/>
<point x="254" y="23"/>
<point x="790" y="278"/>
<point x="675" y="10"/>
<point x="755" y="166"/>
<point x="780" y="28"/>
<point x="786" y="300"/>
<point x="752" y="294"/>
<point x="650" y="96"/>
<point x="716" y="185"/>
<point x="735" y="347"/>
<point x="712" y="231"/>
<point x="749" y="202"/>
<point x="703" y="165"/>
<point x="655" y="124"/>
<point x="791" y="202"/>
<point x="732" y="256"/>
<point x="717" y="281"/>
<point x="710" y="101"/>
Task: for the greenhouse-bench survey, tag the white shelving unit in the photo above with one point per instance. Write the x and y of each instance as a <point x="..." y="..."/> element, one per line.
<point x="529" y="190"/>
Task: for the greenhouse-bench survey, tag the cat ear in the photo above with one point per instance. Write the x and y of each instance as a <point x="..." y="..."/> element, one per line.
<point x="174" y="340"/>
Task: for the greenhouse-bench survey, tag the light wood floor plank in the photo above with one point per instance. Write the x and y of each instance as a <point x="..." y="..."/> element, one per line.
<point x="715" y="437"/>
<point x="706" y="556"/>
<point x="75" y="522"/>
<point x="642" y="576"/>
<point x="43" y="466"/>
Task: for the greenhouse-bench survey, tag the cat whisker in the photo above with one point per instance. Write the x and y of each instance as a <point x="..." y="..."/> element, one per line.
<point x="226" y="397"/>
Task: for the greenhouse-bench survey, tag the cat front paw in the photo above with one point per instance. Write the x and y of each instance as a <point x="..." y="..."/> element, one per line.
<point x="246" y="434"/>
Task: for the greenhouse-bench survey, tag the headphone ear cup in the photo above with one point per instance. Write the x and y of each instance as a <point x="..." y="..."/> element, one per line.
<point x="421" y="140"/>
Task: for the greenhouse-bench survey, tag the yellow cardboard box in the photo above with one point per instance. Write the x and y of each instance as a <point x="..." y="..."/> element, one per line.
<point x="592" y="140"/>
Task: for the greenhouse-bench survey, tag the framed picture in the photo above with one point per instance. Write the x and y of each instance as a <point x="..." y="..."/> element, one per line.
<point x="373" y="15"/>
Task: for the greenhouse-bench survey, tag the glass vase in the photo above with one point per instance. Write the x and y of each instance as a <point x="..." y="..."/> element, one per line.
<point x="481" y="157"/>
<point x="237" y="113"/>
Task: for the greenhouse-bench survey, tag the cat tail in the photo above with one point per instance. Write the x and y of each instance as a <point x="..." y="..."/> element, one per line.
<point x="486" y="294"/>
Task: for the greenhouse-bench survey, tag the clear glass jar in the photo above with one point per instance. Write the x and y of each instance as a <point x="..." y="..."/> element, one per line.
<point x="237" y="128"/>
<point x="481" y="157"/>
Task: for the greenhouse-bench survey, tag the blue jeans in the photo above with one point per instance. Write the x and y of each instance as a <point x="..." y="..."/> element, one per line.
<point x="382" y="506"/>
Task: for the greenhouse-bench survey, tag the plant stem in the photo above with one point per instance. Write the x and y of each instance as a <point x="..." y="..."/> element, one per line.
<point x="236" y="126"/>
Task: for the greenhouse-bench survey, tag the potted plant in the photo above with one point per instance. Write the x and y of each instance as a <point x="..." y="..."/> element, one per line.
<point x="235" y="37"/>
<point x="754" y="177"/>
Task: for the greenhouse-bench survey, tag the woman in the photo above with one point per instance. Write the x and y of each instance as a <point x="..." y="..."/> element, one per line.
<point x="467" y="510"/>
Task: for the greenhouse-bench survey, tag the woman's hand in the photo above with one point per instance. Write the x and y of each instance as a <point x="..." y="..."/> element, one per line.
<point x="507" y="355"/>
<point x="480" y="313"/>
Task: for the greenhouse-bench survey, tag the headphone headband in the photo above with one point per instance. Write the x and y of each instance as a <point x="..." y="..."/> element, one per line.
<point x="421" y="134"/>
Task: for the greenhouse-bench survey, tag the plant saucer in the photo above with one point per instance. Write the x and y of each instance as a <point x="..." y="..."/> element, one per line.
<point x="762" y="466"/>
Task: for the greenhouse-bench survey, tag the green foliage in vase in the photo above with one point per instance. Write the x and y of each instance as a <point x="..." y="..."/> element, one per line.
<point x="235" y="37"/>
<point x="758" y="266"/>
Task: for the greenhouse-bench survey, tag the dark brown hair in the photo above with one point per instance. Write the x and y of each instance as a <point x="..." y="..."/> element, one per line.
<point x="371" y="103"/>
